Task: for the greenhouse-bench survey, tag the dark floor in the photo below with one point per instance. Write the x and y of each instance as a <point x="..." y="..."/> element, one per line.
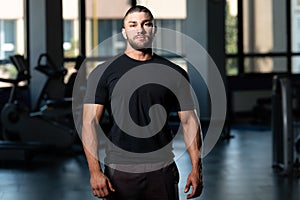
<point x="238" y="169"/>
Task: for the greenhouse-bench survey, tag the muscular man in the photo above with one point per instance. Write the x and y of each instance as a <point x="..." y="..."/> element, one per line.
<point x="139" y="163"/>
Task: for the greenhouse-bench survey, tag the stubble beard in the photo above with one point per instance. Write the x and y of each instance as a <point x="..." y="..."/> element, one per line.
<point x="139" y="45"/>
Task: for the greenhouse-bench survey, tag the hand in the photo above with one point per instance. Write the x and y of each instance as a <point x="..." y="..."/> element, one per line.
<point x="101" y="185"/>
<point x="195" y="180"/>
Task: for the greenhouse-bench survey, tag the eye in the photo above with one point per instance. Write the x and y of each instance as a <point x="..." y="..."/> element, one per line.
<point x="148" y="24"/>
<point x="132" y="24"/>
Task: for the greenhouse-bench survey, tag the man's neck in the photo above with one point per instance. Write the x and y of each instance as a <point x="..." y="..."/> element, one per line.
<point x="141" y="55"/>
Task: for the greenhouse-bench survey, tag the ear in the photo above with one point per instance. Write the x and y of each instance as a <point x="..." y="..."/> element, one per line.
<point x="124" y="34"/>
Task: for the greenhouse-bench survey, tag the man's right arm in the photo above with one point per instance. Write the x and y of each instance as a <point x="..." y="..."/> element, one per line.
<point x="100" y="184"/>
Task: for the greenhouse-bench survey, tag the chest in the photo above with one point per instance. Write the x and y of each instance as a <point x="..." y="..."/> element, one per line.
<point x="147" y="83"/>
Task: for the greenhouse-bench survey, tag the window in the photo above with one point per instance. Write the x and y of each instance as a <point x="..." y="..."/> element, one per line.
<point x="12" y="36"/>
<point x="261" y="36"/>
<point x="71" y="28"/>
<point x="71" y="38"/>
<point x="104" y="21"/>
<point x="163" y="40"/>
<point x="295" y="35"/>
<point x="231" y="36"/>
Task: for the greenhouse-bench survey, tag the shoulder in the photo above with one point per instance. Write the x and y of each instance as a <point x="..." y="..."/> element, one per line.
<point x="165" y="61"/>
<point x="106" y="67"/>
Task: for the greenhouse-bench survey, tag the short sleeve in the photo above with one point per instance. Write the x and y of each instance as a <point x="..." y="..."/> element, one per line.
<point x="96" y="92"/>
<point x="184" y="93"/>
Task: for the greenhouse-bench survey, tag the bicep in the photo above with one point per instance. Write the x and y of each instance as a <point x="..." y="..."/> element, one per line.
<point x="191" y="129"/>
<point x="188" y="116"/>
<point x="92" y="112"/>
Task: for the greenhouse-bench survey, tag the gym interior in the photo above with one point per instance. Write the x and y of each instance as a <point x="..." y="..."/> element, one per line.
<point x="243" y="58"/>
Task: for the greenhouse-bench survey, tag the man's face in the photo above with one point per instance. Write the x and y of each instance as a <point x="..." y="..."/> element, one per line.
<point x="138" y="30"/>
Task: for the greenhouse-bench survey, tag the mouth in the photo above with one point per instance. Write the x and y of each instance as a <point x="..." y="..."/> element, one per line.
<point x="140" y="37"/>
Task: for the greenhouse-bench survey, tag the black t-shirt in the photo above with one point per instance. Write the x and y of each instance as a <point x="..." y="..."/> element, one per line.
<point x="129" y="89"/>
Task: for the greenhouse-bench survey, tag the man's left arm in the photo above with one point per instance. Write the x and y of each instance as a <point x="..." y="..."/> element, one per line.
<point x="193" y="140"/>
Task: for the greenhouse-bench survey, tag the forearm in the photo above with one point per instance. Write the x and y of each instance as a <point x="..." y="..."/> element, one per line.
<point x="90" y="146"/>
<point x="100" y="184"/>
<point x="192" y="137"/>
<point x="91" y="117"/>
<point x="193" y="140"/>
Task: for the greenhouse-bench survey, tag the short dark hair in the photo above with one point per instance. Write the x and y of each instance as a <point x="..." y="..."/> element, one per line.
<point x="138" y="8"/>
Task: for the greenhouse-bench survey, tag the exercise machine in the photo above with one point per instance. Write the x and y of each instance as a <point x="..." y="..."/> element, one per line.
<point x="48" y="124"/>
<point x="286" y="137"/>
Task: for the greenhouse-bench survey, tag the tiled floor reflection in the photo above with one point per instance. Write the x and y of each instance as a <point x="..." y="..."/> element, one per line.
<point x="238" y="169"/>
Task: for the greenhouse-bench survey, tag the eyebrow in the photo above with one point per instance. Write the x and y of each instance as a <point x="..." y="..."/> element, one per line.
<point x="134" y="22"/>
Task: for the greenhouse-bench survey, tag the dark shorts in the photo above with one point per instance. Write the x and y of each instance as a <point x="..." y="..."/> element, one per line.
<point x="161" y="184"/>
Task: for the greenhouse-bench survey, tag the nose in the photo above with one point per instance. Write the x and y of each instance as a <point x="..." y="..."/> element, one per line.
<point x="141" y="28"/>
